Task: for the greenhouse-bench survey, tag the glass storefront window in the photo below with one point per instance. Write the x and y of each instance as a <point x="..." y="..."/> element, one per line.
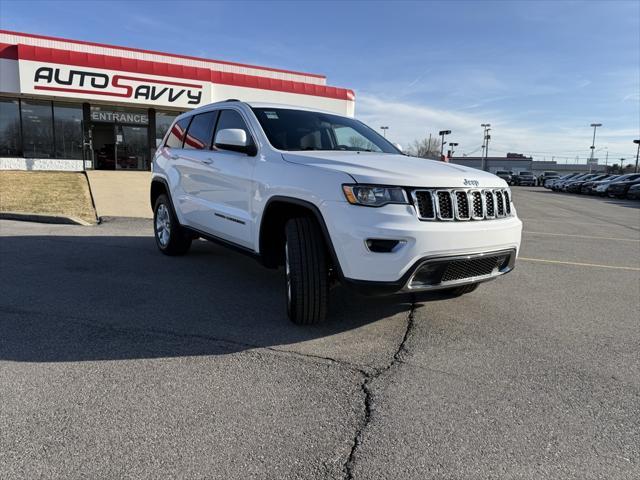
<point x="68" y="130"/>
<point x="10" y="141"/>
<point x="163" y="122"/>
<point x="37" y="129"/>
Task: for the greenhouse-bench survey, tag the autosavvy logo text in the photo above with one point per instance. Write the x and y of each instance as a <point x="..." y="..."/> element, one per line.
<point x="122" y="86"/>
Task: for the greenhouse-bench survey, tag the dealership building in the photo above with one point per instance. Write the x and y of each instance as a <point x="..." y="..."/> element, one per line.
<point x="75" y="105"/>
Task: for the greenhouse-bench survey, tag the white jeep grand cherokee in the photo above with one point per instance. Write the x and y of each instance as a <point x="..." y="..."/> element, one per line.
<point x="330" y="200"/>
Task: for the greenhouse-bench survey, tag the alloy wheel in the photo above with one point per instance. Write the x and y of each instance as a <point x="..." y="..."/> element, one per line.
<point x="163" y="225"/>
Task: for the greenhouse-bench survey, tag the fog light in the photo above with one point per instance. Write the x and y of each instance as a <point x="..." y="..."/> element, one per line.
<point x="378" y="245"/>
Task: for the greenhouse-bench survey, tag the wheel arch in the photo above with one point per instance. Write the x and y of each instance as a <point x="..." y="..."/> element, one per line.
<point x="277" y="211"/>
<point x="158" y="186"/>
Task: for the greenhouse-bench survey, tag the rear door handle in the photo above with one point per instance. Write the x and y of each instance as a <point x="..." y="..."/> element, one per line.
<point x="174" y="157"/>
<point x="207" y="161"/>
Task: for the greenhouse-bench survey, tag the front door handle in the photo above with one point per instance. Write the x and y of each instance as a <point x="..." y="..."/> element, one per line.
<point x="207" y="161"/>
<point x="174" y="157"/>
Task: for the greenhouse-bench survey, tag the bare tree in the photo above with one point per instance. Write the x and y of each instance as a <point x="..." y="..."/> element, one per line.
<point x="425" y="148"/>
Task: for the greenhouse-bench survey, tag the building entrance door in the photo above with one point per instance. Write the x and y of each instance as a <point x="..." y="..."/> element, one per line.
<point x="120" y="147"/>
<point x="132" y="148"/>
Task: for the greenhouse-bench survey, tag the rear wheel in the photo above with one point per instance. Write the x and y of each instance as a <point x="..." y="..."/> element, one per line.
<point x="306" y="272"/>
<point x="171" y="238"/>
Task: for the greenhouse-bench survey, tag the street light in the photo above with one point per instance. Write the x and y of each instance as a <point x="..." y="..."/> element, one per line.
<point x="384" y="131"/>
<point x="442" y="133"/>
<point x="485" y="144"/>
<point x="593" y="142"/>
<point x="452" y="145"/>
<point x="637" y="154"/>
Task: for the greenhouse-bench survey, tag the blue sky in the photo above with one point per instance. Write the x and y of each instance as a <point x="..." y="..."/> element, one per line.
<point x="539" y="71"/>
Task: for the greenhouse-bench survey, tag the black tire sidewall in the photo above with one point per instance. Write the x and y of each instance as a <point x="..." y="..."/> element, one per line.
<point x="308" y="268"/>
<point x="179" y="238"/>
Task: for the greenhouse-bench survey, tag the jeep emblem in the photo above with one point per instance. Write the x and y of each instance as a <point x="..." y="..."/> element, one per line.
<point x="475" y="183"/>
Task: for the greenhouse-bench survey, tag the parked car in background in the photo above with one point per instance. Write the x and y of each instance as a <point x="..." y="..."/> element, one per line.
<point x="601" y="188"/>
<point x="548" y="183"/>
<point x="561" y="185"/>
<point x="620" y="189"/>
<point x="546" y="176"/>
<point x="506" y="175"/>
<point x="634" y="192"/>
<point x="576" y="187"/>
<point x="587" y="187"/>
<point x="554" y="184"/>
<point x="524" y="179"/>
<point x="544" y="180"/>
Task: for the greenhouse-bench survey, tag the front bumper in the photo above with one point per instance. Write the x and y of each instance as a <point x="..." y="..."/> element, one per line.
<point x="438" y="273"/>
<point x="350" y="226"/>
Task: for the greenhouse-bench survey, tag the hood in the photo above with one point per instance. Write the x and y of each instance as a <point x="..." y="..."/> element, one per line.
<point x="400" y="170"/>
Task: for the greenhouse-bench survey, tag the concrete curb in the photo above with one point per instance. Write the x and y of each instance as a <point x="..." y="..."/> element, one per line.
<point x="39" y="218"/>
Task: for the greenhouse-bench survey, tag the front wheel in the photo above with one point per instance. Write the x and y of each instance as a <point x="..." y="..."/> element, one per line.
<point x="171" y="238"/>
<point x="306" y="272"/>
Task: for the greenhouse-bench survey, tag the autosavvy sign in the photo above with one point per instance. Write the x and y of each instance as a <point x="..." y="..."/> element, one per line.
<point x="92" y="83"/>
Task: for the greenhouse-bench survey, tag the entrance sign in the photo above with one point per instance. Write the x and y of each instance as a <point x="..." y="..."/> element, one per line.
<point x="119" y="117"/>
<point x="100" y="84"/>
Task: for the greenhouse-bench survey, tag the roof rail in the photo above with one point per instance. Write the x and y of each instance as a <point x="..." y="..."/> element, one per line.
<point x="232" y="100"/>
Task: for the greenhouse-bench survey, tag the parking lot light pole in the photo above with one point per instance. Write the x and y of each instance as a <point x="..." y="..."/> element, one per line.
<point x="637" y="142"/>
<point x="384" y="131"/>
<point x="622" y="165"/>
<point x="593" y="142"/>
<point x="485" y="144"/>
<point x="452" y="145"/>
<point x="442" y="133"/>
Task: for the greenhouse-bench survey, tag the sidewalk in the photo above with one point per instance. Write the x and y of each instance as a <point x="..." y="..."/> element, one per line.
<point x="120" y="194"/>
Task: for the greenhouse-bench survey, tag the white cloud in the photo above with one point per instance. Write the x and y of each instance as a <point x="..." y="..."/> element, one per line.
<point x="408" y="122"/>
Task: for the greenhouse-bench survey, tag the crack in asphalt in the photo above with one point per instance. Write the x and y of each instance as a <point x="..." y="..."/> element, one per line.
<point x="368" y="377"/>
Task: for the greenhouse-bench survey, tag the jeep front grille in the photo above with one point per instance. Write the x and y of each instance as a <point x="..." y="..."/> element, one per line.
<point x="461" y="204"/>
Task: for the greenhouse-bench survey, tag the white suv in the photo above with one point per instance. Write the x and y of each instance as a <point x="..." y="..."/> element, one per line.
<point x="329" y="199"/>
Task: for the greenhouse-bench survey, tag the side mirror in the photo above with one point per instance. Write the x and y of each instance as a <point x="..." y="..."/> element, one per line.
<point x="234" y="139"/>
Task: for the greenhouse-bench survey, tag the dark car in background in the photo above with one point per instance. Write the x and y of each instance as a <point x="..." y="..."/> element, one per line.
<point x="620" y="189"/>
<point x="576" y="187"/>
<point x="506" y="175"/>
<point x="555" y="186"/>
<point x="634" y="192"/>
<point x="602" y="188"/>
<point x="524" y="179"/>
<point x="588" y="187"/>
<point x="561" y="185"/>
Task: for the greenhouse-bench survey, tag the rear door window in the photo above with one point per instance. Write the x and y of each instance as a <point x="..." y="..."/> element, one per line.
<point x="200" y="131"/>
<point x="177" y="133"/>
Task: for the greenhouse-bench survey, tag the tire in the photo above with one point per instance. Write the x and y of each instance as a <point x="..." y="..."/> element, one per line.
<point x="306" y="272"/>
<point x="171" y="238"/>
<point x="457" y="291"/>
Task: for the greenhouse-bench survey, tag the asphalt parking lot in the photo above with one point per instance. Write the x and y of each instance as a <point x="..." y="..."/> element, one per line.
<point x="118" y="362"/>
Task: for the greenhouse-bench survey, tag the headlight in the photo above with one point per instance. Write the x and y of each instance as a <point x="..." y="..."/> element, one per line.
<point x="373" y="195"/>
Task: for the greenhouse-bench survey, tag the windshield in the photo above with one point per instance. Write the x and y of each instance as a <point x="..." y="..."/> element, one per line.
<point x="305" y="130"/>
<point x="526" y="174"/>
